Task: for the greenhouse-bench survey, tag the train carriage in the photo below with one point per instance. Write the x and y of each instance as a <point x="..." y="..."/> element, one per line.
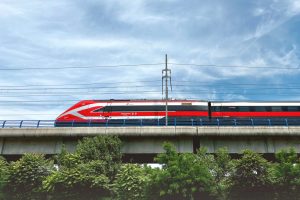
<point x="116" y="111"/>
<point x="180" y="112"/>
<point x="255" y="109"/>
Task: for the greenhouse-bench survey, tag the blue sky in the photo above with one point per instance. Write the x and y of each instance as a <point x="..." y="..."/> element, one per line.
<point x="262" y="37"/>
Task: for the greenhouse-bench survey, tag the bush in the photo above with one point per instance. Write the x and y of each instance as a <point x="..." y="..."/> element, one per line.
<point x="85" y="181"/>
<point x="183" y="176"/>
<point x="4" y="174"/>
<point x="104" y="148"/>
<point x="130" y="182"/>
<point x="87" y="173"/>
<point x="251" y="178"/>
<point x="27" y="174"/>
<point x="287" y="175"/>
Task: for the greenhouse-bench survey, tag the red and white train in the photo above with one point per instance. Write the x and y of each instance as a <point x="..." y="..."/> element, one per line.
<point x="99" y="110"/>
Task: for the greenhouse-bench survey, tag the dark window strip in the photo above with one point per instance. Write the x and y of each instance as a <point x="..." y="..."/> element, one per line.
<point x="150" y="108"/>
<point x="256" y="108"/>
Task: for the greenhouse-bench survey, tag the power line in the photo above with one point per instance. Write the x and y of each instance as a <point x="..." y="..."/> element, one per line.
<point x="224" y="84"/>
<point x="146" y="86"/>
<point x="78" y="67"/>
<point x="146" y="64"/>
<point x="76" y="100"/>
<point x="233" y="66"/>
<point x="88" y="93"/>
<point x="93" y="91"/>
<point x="138" y="81"/>
<point x="78" y="88"/>
<point x="95" y="83"/>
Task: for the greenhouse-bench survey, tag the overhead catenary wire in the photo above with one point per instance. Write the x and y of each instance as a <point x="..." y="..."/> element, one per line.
<point x="76" y="67"/>
<point x="76" y="100"/>
<point x="235" y="66"/>
<point x="140" y="81"/>
<point x="139" y="86"/>
<point x="147" y="64"/>
<point x="93" y="83"/>
<point x="68" y="92"/>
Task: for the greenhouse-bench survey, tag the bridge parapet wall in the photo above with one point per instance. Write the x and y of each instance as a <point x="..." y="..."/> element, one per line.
<point x="144" y="140"/>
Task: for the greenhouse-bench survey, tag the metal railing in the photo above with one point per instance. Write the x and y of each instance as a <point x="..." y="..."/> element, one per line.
<point x="26" y="123"/>
<point x="153" y="122"/>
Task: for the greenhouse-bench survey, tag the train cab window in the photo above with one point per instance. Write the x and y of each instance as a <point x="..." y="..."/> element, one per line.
<point x="103" y="109"/>
<point x="99" y="110"/>
<point x="244" y="108"/>
<point x="107" y="109"/>
<point x="276" y="108"/>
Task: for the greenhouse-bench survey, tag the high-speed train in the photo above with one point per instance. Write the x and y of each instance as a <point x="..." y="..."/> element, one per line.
<point x="101" y="110"/>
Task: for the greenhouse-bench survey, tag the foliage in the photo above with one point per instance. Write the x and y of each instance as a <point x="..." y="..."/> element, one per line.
<point x="87" y="173"/>
<point x="220" y="166"/>
<point x="223" y="168"/>
<point x="95" y="171"/>
<point x="68" y="160"/>
<point x="183" y="176"/>
<point x="251" y="178"/>
<point x="4" y="174"/>
<point x="104" y="148"/>
<point x="130" y="182"/>
<point x="287" y="175"/>
<point x="26" y="177"/>
<point x="85" y="181"/>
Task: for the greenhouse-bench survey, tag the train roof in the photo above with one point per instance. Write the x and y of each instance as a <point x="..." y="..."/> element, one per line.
<point x="147" y="100"/>
<point x="256" y="103"/>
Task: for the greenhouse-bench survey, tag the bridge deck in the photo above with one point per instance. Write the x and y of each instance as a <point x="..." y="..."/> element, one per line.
<point x="144" y="141"/>
<point x="152" y="131"/>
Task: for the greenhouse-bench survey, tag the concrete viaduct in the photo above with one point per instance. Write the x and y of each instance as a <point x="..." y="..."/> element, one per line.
<point x="142" y="143"/>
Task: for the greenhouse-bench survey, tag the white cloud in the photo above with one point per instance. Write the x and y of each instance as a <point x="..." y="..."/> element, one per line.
<point x="293" y="7"/>
<point x="88" y="33"/>
<point x="82" y="43"/>
<point x="7" y="10"/>
<point x="259" y="11"/>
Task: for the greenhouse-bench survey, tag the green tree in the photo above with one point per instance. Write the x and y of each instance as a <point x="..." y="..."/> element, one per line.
<point x="26" y="177"/>
<point x="251" y="178"/>
<point x="130" y="182"/>
<point x="223" y="168"/>
<point x="104" y="148"/>
<point x="287" y="174"/>
<point x="88" y="172"/>
<point x="183" y="176"/>
<point x="83" y="181"/>
<point x="4" y="174"/>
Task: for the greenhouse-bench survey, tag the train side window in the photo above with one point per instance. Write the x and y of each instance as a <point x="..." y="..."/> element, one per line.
<point x="293" y="108"/>
<point x="276" y="108"/>
<point x="260" y="108"/>
<point x="244" y="108"/>
<point x="216" y="108"/>
<point x="229" y="109"/>
<point x="188" y="108"/>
